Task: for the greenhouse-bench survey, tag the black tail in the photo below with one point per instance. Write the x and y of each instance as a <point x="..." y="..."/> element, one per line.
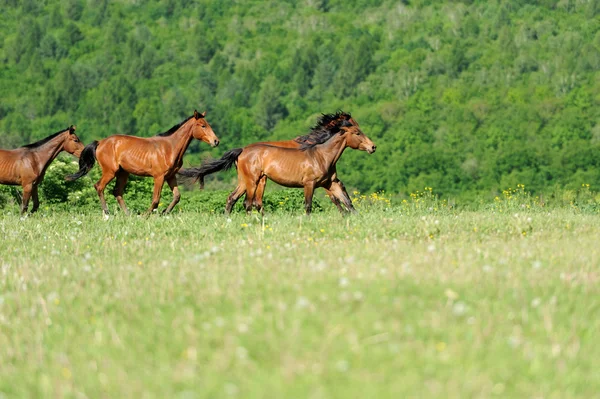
<point x="86" y="161"/>
<point x="211" y="166"/>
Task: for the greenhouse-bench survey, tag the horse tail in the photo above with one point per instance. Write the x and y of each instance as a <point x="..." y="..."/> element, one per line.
<point x="86" y="161"/>
<point x="211" y="166"/>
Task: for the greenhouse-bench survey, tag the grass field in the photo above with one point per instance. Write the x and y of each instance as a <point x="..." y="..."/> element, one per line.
<point x="380" y="304"/>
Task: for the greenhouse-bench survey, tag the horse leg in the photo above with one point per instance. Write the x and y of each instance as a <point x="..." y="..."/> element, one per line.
<point x="309" y="189"/>
<point x="336" y="190"/>
<point x="234" y="197"/>
<point x="27" y="189"/>
<point x="172" y="181"/>
<point x="258" y="194"/>
<point x="250" y="191"/>
<point x="335" y="200"/>
<point x="35" y="198"/>
<point x="158" y="184"/>
<point x="119" y="189"/>
<point x="345" y="197"/>
<point x="107" y="176"/>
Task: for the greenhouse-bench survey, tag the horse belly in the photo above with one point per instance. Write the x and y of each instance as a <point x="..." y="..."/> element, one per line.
<point x="139" y="163"/>
<point x="9" y="173"/>
<point x="287" y="177"/>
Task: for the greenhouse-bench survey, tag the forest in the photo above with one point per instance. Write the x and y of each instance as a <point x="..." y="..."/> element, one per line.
<point x="467" y="97"/>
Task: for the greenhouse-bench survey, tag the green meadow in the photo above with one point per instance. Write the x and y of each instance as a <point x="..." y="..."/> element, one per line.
<point x="402" y="301"/>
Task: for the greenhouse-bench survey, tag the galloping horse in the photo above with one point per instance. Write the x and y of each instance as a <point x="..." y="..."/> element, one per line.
<point x="310" y="166"/>
<point x="160" y="157"/>
<point x="322" y="130"/>
<point x="26" y="166"/>
<point x="338" y="190"/>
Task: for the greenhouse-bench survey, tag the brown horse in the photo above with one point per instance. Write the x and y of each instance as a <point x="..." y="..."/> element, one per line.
<point x="159" y="157"/>
<point x="26" y="166"/>
<point x="310" y="166"/>
<point x="323" y="129"/>
<point x="326" y="122"/>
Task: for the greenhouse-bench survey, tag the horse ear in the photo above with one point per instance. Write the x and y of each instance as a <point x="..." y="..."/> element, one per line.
<point x="203" y="114"/>
<point x="72" y="129"/>
<point x="196" y="114"/>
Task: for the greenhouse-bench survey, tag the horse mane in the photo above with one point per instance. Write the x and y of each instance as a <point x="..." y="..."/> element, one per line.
<point x="44" y="140"/>
<point x="174" y="128"/>
<point x="323" y="130"/>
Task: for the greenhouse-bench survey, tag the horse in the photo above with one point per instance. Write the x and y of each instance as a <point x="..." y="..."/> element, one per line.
<point x="26" y="166"/>
<point x="322" y="129"/>
<point x="159" y="157"/>
<point x="309" y="167"/>
<point x="327" y="122"/>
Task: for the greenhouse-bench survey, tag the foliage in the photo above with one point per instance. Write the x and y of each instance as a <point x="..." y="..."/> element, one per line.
<point x="469" y="97"/>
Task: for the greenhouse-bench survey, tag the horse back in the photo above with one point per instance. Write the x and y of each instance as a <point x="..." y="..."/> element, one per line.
<point x="280" y="144"/>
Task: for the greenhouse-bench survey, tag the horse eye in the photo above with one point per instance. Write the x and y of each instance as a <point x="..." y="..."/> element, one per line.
<point x="203" y="126"/>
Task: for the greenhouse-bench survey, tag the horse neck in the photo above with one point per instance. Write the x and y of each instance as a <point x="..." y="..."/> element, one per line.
<point x="48" y="151"/>
<point x="332" y="150"/>
<point x="180" y="140"/>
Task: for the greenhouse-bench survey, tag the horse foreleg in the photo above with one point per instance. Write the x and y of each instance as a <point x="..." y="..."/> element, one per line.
<point x="336" y="190"/>
<point x="309" y="189"/>
<point x="119" y="189"/>
<point x="158" y="184"/>
<point x="335" y="200"/>
<point x="35" y="198"/>
<point x="27" y="189"/>
<point x="233" y="198"/>
<point x="172" y="181"/>
<point x="345" y="197"/>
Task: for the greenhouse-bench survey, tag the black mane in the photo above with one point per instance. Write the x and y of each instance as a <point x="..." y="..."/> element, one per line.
<point x="45" y="140"/>
<point x="325" y="119"/>
<point x="174" y="128"/>
<point x="322" y="132"/>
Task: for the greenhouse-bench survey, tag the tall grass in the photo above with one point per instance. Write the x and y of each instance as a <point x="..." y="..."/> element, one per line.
<point x="392" y="302"/>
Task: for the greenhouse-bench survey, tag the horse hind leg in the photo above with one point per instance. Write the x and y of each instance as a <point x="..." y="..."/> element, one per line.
<point x="107" y="176"/>
<point x="259" y="193"/>
<point x="250" y="195"/>
<point x="234" y="197"/>
<point x="119" y="189"/>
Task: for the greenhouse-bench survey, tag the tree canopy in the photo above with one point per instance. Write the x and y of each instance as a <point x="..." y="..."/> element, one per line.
<point x="463" y="96"/>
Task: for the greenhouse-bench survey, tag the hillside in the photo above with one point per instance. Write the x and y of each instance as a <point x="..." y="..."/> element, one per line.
<point x="466" y="97"/>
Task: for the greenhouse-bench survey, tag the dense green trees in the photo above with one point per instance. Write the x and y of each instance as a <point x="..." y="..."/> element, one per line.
<point x="466" y="97"/>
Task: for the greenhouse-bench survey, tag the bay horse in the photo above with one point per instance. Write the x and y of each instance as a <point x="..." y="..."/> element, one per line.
<point x="322" y="129"/>
<point x="309" y="167"/>
<point x="26" y="166"/>
<point x="338" y="191"/>
<point x="159" y="157"/>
